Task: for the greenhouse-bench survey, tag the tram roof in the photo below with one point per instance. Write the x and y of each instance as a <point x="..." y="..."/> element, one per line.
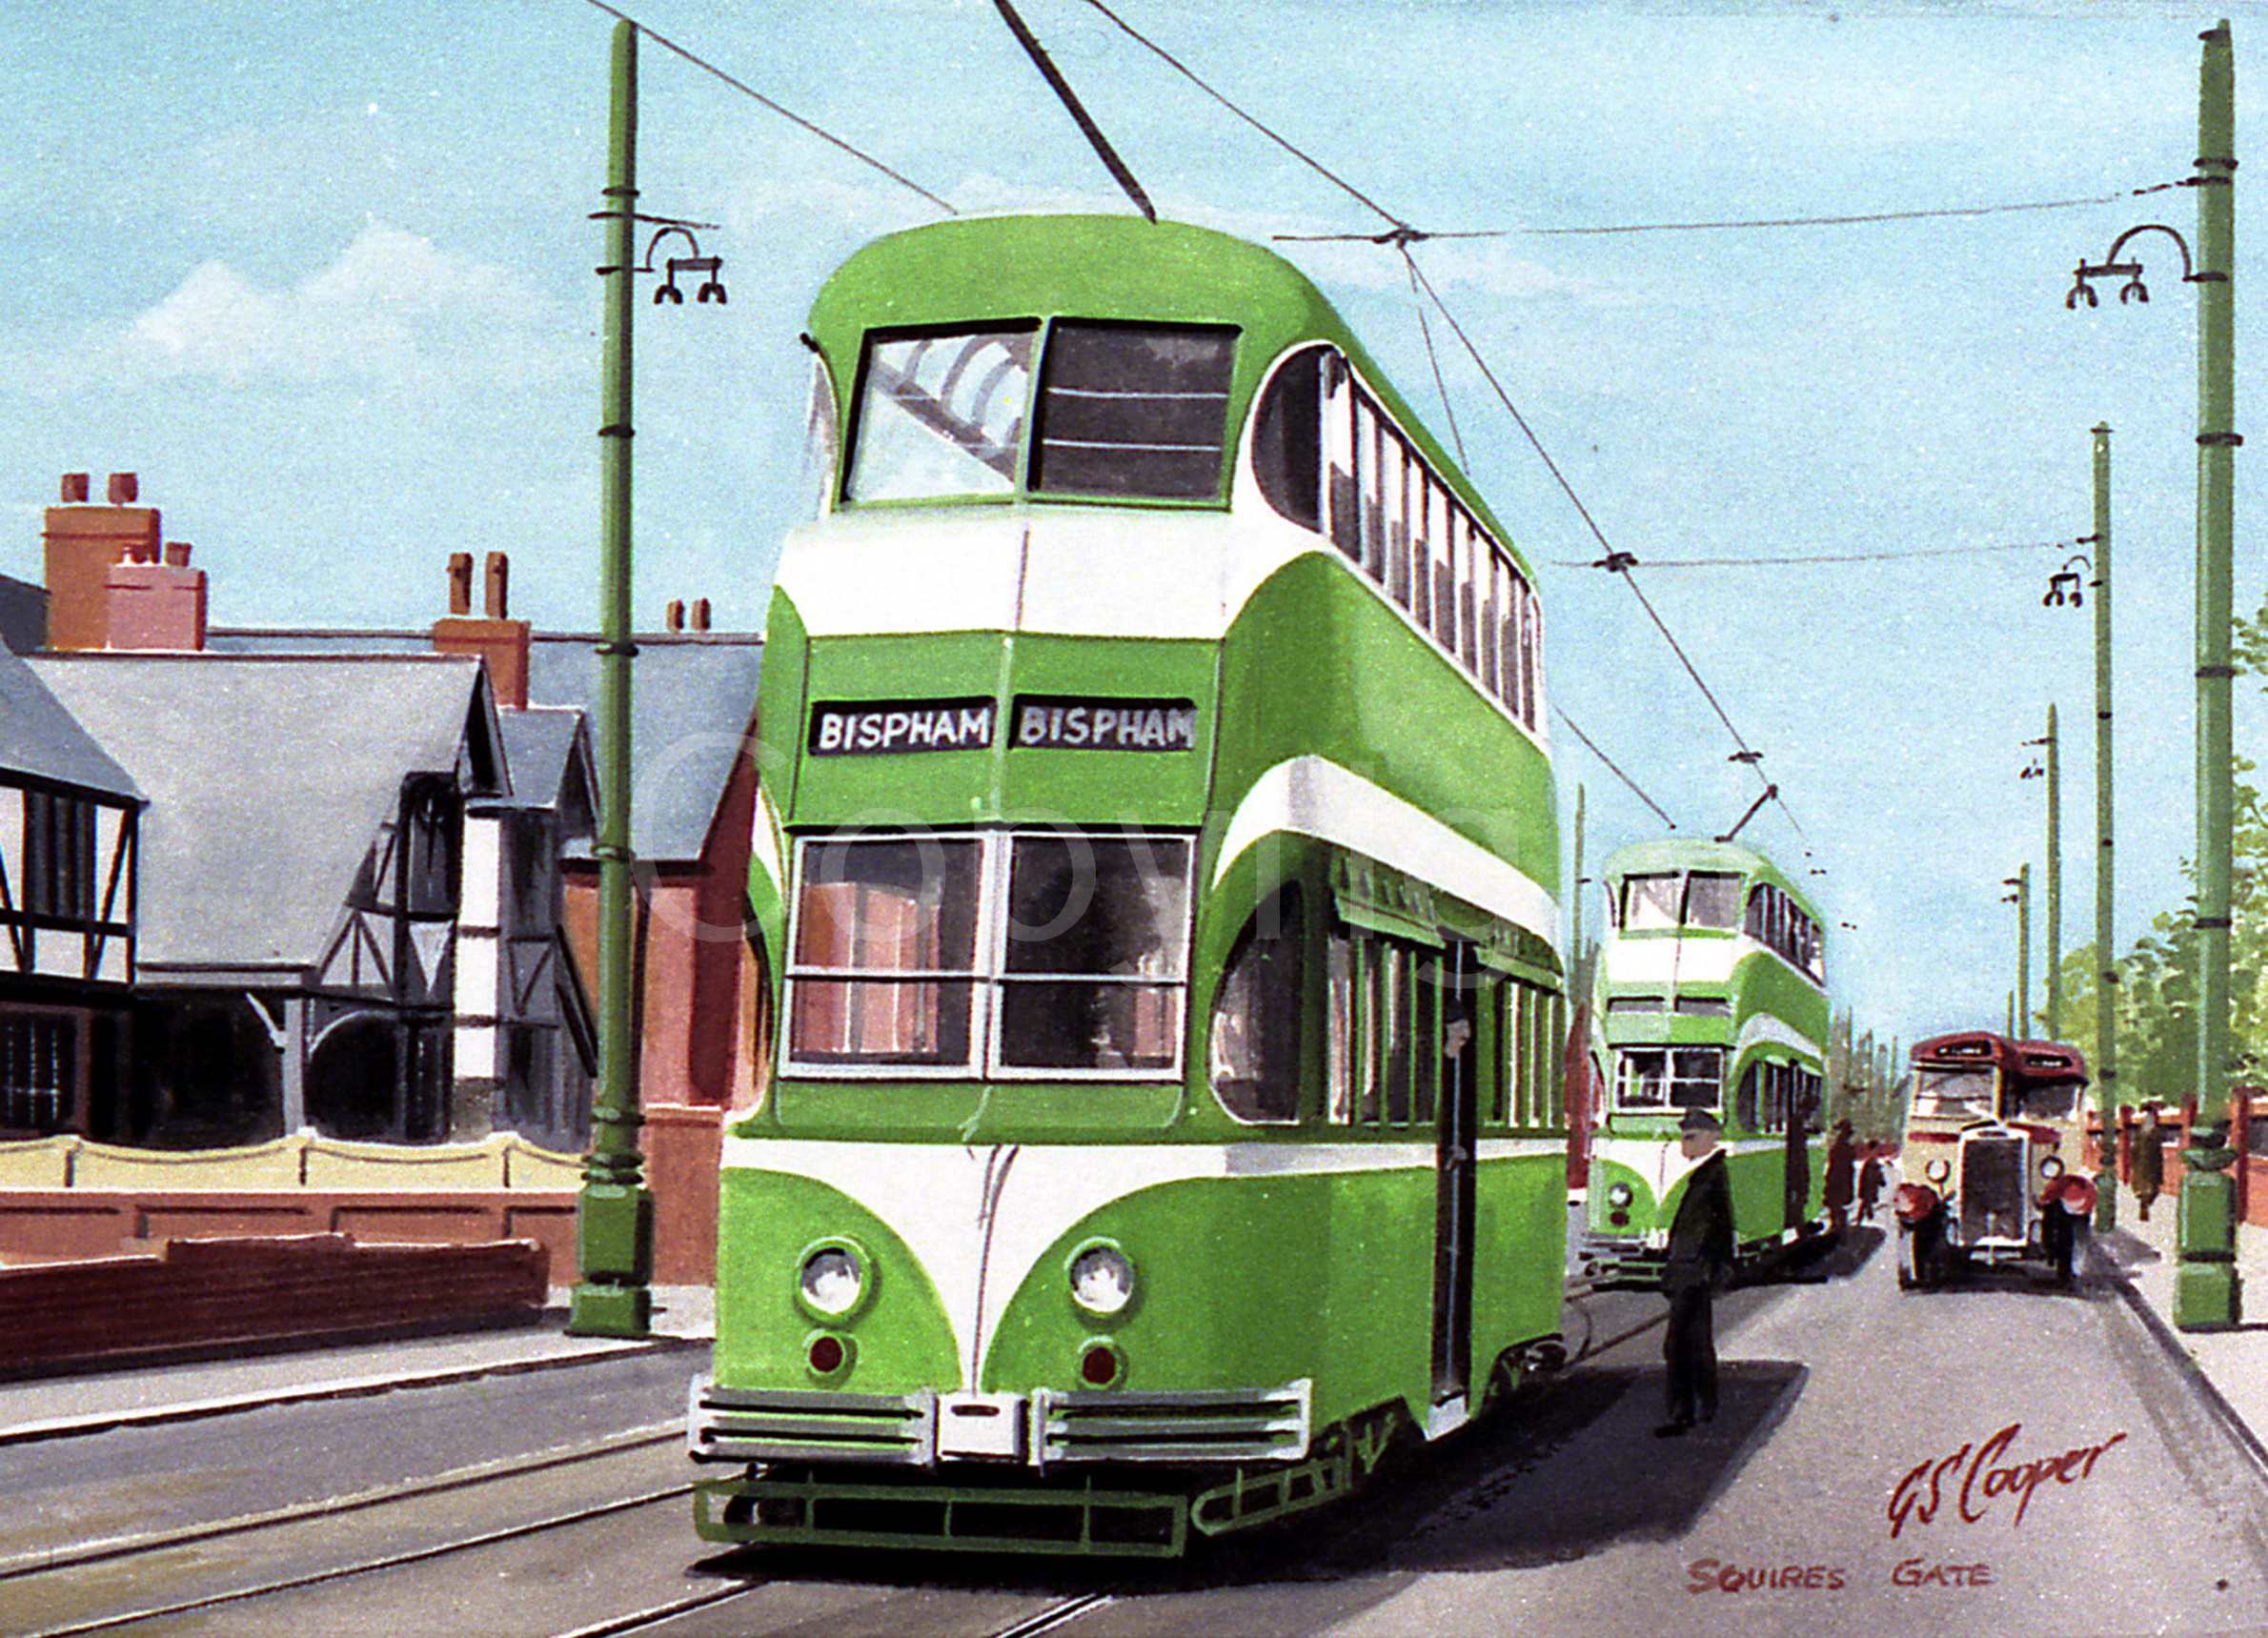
<point x="975" y="269"/>
<point x="1676" y="853"/>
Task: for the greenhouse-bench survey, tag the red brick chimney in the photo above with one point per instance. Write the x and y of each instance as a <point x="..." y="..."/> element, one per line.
<point x="157" y="605"/>
<point x="501" y="641"/>
<point x="82" y="544"/>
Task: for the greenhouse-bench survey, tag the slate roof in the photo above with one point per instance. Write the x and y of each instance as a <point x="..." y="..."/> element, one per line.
<point x="268" y="779"/>
<point x="548" y="750"/>
<point x="692" y="696"/>
<point x="692" y="699"/>
<point x="39" y="737"/>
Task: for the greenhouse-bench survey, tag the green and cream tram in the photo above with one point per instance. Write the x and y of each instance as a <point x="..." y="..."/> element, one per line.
<point x="1712" y="994"/>
<point x="1157" y="879"/>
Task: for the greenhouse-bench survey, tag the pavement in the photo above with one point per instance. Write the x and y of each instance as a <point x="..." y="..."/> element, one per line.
<point x="2228" y="1368"/>
<point x="87" y="1401"/>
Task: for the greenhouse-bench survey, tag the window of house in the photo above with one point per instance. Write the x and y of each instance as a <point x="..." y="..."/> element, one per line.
<point x="39" y="1072"/>
<point x="59" y="865"/>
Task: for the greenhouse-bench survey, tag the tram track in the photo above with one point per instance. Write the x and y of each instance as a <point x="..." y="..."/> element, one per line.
<point x="23" y="1577"/>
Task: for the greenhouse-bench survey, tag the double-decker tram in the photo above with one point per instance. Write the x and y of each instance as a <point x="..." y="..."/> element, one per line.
<point x="1712" y="996"/>
<point x="1994" y="1157"/>
<point x="1158" y="873"/>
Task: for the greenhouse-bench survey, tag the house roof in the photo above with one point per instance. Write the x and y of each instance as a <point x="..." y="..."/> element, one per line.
<point x="268" y="779"/>
<point x="39" y="737"/>
<point x="692" y="699"/>
<point x="548" y="749"/>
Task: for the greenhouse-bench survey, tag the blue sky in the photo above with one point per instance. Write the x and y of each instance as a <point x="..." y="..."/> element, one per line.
<point x="321" y="274"/>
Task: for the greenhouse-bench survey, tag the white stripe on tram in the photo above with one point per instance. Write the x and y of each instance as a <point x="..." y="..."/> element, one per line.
<point x="946" y="1200"/>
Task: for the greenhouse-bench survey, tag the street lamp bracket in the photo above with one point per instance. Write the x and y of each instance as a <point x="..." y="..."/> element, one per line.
<point x="2133" y="289"/>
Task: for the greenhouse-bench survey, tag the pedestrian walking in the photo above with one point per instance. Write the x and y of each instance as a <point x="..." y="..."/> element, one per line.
<point x="1701" y="1253"/>
<point x="1869" y="1182"/>
<point x="2146" y="1162"/>
<point x="1842" y="1160"/>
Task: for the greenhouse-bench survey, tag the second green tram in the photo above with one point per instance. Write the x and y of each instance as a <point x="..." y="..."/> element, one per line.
<point x="1712" y="994"/>
<point x="1156" y="875"/>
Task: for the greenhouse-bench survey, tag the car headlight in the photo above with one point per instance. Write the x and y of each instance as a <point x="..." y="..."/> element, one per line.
<point x="1620" y="1195"/>
<point x="832" y="1279"/>
<point x="2051" y="1165"/>
<point x="1101" y="1280"/>
<point x="1937" y="1170"/>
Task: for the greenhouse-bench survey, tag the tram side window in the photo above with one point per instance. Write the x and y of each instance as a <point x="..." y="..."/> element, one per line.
<point x="1256" y="1016"/>
<point x="940" y="414"/>
<point x="884" y="952"/>
<point x="1094" y="966"/>
<point x="1287" y="439"/>
<point x="1383" y="1053"/>
<point x="1133" y="410"/>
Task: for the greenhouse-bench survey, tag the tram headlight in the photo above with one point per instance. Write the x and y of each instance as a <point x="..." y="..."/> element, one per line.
<point x="832" y="1279"/>
<point x="1619" y="1194"/>
<point x="1937" y="1170"/>
<point x="2051" y="1165"/>
<point x="1102" y="1279"/>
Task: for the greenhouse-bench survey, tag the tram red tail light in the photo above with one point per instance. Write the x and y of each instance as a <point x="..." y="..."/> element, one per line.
<point x="1913" y="1202"/>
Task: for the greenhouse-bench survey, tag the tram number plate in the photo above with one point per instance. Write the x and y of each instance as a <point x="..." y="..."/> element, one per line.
<point x="981" y="1426"/>
<point x="1082" y="723"/>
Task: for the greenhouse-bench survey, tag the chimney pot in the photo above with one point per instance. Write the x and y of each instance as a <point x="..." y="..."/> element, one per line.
<point x="674" y="617"/>
<point x="177" y="554"/>
<point x="125" y="489"/>
<point x="75" y="489"/>
<point x="500" y="585"/>
<point x="460" y="582"/>
<point x="700" y="613"/>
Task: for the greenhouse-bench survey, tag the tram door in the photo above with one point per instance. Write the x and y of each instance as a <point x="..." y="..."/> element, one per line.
<point x="1457" y="1000"/>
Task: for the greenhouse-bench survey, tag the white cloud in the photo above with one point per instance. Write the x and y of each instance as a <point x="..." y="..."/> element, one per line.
<point x="393" y="307"/>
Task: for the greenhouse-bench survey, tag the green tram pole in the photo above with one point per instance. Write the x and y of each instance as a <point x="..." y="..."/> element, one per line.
<point x="2106" y="989"/>
<point x="2052" y="975"/>
<point x="614" y="1233"/>
<point x="2019" y="1000"/>
<point x="2205" y="1292"/>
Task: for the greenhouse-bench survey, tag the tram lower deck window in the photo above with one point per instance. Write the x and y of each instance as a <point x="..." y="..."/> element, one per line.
<point x="1020" y="954"/>
<point x="1668" y="1078"/>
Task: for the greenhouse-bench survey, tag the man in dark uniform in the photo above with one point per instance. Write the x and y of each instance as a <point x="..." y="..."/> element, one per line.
<point x="1701" y="1254"/>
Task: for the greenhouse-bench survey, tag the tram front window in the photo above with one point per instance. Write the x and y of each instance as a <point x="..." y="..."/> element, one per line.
<point x="1094" y="969"/>
<point x="1954" y="1094"/>
<point x="1133" y="410"/>
<point x="1665" y="1078"/>
<point x="940" y="414"/>
<point x="884" y="952"/>
<point x="1713" y="899"/>
<point x="1650" y="903"/>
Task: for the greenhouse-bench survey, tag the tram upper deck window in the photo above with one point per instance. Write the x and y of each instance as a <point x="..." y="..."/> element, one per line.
<point x="1138" y="410"/>
<point x="1713" y="899"/>
<point x="940" y="414"/>
<point x="1954" y="1094"/>
<point x="1097" y="927"/>
<point x="884" y="952"/>
<point x="1287" y="439"/>
<point x="1650" y="903"/>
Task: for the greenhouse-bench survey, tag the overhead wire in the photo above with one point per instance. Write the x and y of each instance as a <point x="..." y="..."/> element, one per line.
<point x="1591" y="745"/>
<point x="2064" y="545"/>
<point x="788" y="114"/>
